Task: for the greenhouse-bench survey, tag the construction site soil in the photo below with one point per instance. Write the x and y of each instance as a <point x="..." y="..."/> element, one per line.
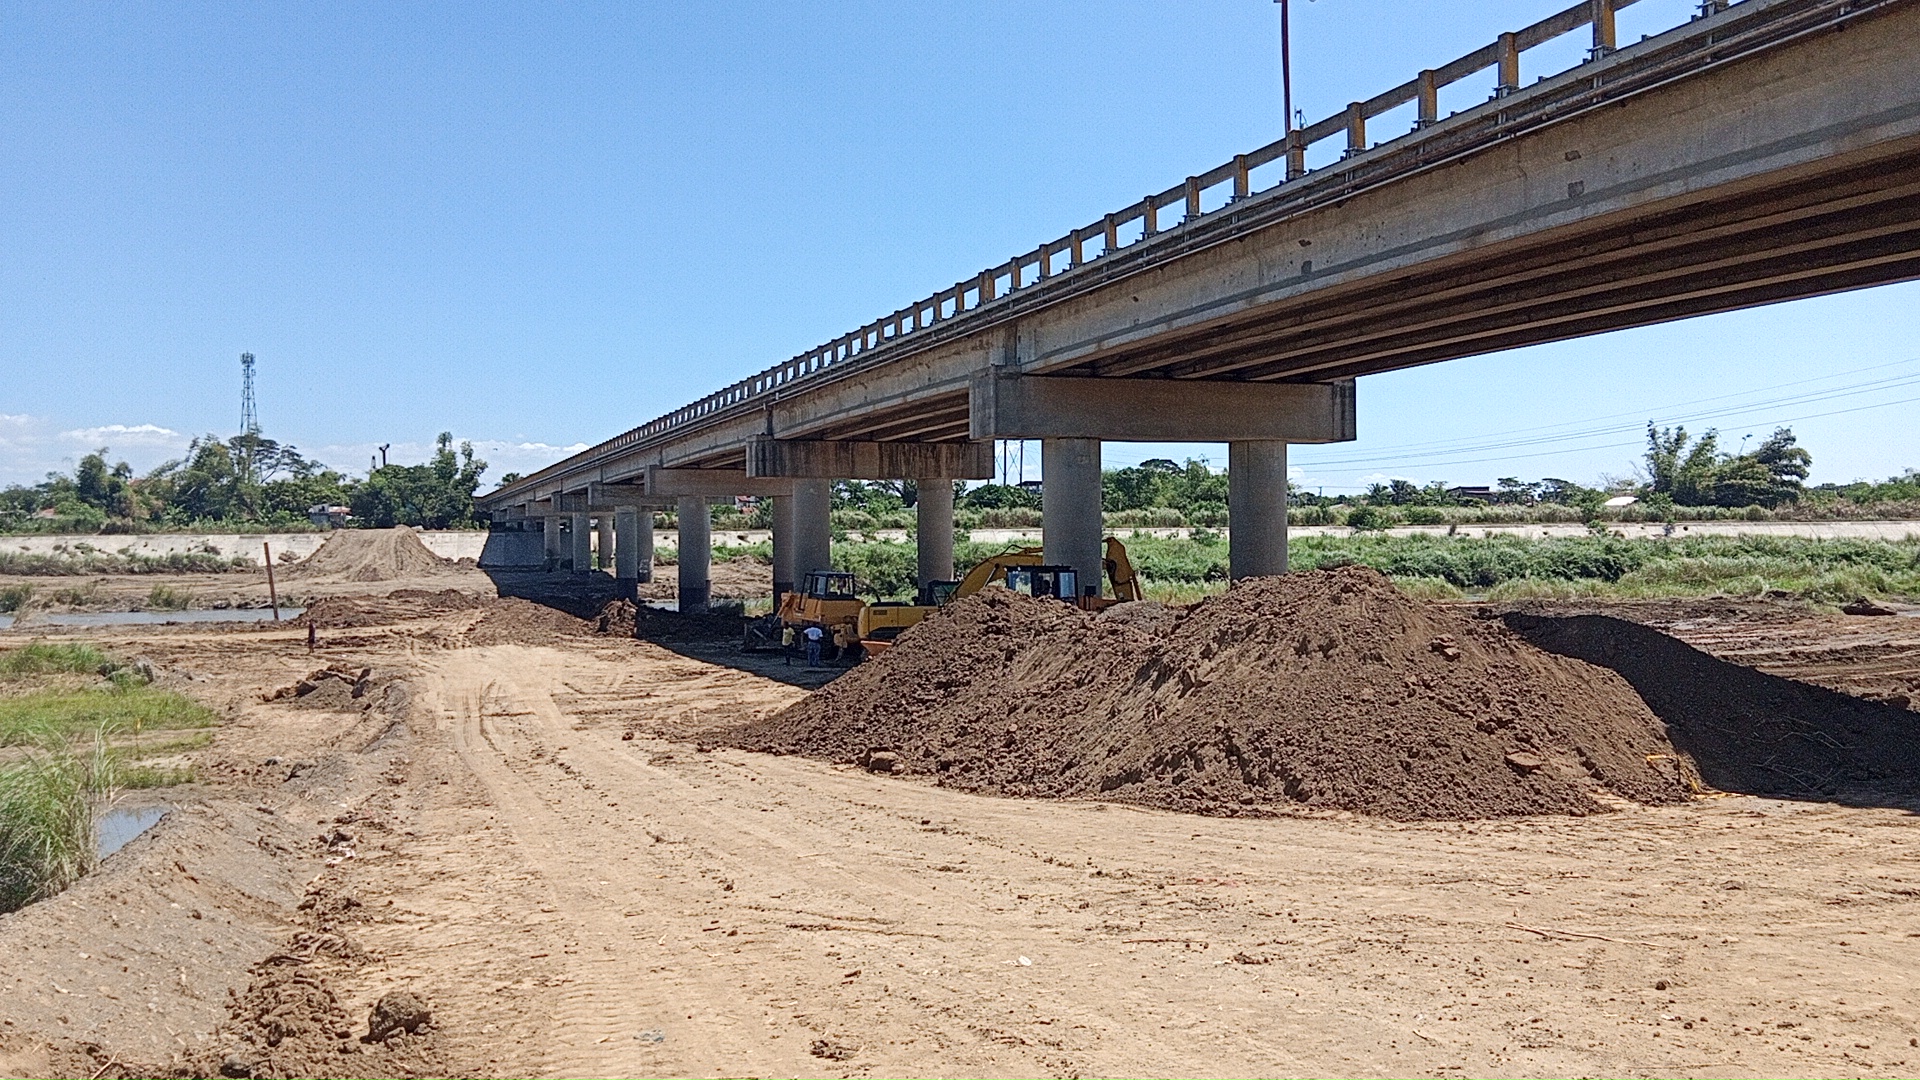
<point x="1326" y="690"/>
<point x="368" y="555"/>
<point x="499" y="839"/>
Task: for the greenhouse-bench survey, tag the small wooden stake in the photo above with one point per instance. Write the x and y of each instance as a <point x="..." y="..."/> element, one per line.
<point x="273" y="595"/>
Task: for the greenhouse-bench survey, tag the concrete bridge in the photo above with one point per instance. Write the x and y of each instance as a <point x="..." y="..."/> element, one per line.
<point x="1765" y="151"/>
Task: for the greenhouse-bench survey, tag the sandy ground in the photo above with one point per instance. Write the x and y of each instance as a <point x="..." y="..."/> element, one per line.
<point x="539" y="845"/>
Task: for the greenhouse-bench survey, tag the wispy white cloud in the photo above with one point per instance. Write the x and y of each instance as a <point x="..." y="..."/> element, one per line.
<point x="119" y="435"/>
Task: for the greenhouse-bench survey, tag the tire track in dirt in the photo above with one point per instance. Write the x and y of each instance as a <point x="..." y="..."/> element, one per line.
<point x="795" y="876"/>
<point x="610" y="1010"/>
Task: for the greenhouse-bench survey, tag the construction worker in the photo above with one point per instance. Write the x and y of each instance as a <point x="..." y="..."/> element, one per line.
<point x="813" y="636"/>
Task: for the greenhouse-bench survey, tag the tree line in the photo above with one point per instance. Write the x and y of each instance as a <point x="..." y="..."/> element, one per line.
<point x="246" y="481"/>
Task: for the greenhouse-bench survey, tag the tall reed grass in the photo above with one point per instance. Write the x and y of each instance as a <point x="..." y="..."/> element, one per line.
<point x="48" y="796"/>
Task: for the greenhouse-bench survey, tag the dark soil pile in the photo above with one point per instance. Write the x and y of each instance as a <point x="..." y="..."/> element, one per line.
<point x="341" y="612"/>
<point x="513" y="621"/>
<point x="1326" y="690"/>
<point x="624" y="618"/>
<point x="1747" y="730"/>
<point x="367" y="555"/>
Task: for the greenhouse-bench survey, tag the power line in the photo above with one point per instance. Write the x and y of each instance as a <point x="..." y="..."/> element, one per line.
<point x="1617" y="445"/>
<point x="1424" y="451"/>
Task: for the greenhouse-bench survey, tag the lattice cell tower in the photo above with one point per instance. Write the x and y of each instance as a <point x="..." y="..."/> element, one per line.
<point x="249" y="416"/>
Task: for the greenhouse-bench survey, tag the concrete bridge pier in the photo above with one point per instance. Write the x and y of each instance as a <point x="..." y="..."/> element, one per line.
<point x="1070" y="523"/>
<point x="933" y="528"/>
<point x="604" y="540"/>
<point x="782" y="547"/>
<point x="1256" y="508"/>
<point x="812" y="526"/>
<point x="581" y="542"/>
<point x="626" y="550"/>
<point x="696" y="553"/>
<point x="550" y="539"/>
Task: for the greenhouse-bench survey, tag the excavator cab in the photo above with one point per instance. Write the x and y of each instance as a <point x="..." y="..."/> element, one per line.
<point x="828" y="585"/>
<point x="1059" y="582"/>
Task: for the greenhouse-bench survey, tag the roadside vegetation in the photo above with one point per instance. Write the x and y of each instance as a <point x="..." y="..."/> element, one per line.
<point x="247" y="483"/>
<point x="77" y="726"/>
<point x="1184" y="569"/>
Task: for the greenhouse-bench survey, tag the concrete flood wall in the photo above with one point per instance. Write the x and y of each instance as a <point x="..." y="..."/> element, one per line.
<point x="448" y="544"/>
<point x="516" y="549"/>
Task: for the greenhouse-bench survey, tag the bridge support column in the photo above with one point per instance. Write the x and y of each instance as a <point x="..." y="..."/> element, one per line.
<point x="1070" y="506"/>
<point x="605" y="541"/>
<point x="643" y="546"/>
<point x="696" y="553"/>
<point x="782" y="547"/>
<point x="581" y="543"/>
<point x="550" y="538"/>
<point x="1256" y="508"/>
<point x="812" y="527"/>
<point x="626" y="549"/>
<point x="933" y="532"/>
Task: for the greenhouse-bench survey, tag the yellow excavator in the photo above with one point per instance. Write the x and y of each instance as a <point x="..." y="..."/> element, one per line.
<point x="1020" y="569"/>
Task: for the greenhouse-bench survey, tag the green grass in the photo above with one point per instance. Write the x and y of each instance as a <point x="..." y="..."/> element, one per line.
<point x="68" y="750"/>
<point x="15" y="597"/>
<point x="1499" y="567"/>
<point x="50" y="658"/>
<point x="115" y="711"/>
<point x="76" y="563"/>
<point x="1505" y="567"/>
<point x="47" y="803"/>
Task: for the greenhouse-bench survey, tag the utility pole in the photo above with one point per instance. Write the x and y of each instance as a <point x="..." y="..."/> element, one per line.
<point x="1286" y="71"/>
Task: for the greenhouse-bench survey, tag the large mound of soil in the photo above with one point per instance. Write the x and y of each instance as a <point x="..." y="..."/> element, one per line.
<point x="367" y="555"/>
<point x="1320" y="690"/>
<point x="338" y="612"/>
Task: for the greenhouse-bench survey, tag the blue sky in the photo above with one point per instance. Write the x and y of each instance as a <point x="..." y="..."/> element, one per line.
<point x="538" y="225"/>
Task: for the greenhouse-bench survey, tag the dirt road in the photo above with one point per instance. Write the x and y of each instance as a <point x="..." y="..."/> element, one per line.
<point x="580" y="889"/>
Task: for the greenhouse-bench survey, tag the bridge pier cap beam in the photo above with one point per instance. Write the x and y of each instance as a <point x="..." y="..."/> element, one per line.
<point x="825" y="459"/>
<point x="1159" y="410"/>
<point x="1256" y="509"/>
<point x="665" y="483"/>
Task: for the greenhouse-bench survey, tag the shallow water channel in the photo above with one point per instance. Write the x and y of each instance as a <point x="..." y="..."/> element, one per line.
<point x="153" y="618"/>
<point x="115" y="829"/>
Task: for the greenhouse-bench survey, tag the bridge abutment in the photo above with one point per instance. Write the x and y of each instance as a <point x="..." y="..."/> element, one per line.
<point x="695" y="553"/>
<point x="1070" y="525"/>
<point x="1256" y="508"/>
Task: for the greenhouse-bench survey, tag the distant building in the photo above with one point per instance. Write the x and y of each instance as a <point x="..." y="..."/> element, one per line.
<point x="329" y="517"/>
<point x="1484" y="494"/>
